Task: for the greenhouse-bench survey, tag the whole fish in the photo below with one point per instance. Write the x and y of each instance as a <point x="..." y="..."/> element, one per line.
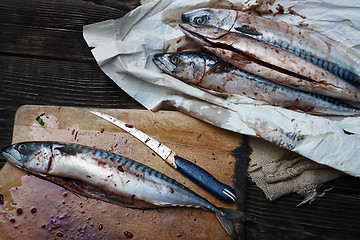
<point x="308" y="45"/>
<point x="210" y="72"/>
<point x="270" y="62"/>
<point x="110" y="177"/>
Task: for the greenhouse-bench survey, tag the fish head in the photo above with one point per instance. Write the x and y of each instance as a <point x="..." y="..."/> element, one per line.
<point x="221" y="18"/>
<point x="186" y="66"/>
<point x="31" y="156"/>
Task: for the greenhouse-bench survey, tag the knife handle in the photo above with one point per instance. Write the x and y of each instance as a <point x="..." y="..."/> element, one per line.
<point x="205" y="180"/>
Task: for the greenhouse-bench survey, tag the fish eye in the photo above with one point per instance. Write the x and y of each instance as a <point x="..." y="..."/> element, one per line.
<point x="200" y="20"/>
<point x="175" y="60"/>
<point x="22" y="148"/>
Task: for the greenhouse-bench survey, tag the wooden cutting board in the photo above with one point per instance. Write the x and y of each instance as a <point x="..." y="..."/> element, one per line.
<point x="36" y="209"/>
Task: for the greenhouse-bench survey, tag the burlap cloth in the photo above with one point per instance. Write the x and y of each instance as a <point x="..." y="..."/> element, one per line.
<point x="278" y="171"/>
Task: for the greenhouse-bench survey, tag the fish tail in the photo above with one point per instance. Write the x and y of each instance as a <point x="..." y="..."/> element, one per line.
<point x="228" y="217"/>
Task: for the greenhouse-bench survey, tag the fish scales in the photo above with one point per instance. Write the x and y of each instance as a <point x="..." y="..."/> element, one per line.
<point x="209" y="72"/>
<point x="111" y="177"/>
<point x="308" y="45"/>
<point x="94" y="166"/>
<point x="270" y="62"/>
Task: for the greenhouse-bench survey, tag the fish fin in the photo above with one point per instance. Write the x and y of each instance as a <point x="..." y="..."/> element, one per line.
<point x="248" y="30"/>
<point x="69" y="184"/>
<point x="228" y="217"/>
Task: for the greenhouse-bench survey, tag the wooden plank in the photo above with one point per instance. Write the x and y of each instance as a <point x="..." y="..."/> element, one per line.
<point x="333" y="216"/>
<point x="59" y="83"/>
<point x="53" y="28"/>
<point x="51" y="82"/>
<point x="62" y="14"/>
<point x="191" y="138"/>
<point x="240" y="183"/>
<point x="44" y="42"/>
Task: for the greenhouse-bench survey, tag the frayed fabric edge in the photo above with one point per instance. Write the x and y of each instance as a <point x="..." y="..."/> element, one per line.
<point x="313" y="195"/>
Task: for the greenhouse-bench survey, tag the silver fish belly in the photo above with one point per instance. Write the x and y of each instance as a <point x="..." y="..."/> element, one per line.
<point x="110" y="177"/>
<point x="270" y="62"/>
<point x="209" y="72"/>
<point x="313" y="47"/>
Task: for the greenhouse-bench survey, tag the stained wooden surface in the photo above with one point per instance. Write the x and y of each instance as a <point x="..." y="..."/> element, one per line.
<point x="189" y="137"/>
<point x="44" y="60"/>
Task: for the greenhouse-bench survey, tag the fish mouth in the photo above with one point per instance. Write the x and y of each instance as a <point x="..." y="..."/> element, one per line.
<point x="158" y="60"/>
<point x="7" y="152"/>
<point x="193" y="32"/>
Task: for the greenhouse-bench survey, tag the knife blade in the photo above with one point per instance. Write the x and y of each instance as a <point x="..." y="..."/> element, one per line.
<point x="197" y="174"/>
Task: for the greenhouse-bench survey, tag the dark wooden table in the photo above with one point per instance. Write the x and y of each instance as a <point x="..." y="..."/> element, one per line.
<point x="44" y="60"/>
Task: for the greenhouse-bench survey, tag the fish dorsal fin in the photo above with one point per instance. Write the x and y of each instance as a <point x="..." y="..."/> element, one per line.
<point x="246" y="29"/>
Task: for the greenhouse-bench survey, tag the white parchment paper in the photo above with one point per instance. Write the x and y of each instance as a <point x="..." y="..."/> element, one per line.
<point x="124" y="48"/>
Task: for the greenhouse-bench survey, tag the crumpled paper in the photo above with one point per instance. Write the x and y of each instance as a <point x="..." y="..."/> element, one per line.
<point x="124" y="49"/>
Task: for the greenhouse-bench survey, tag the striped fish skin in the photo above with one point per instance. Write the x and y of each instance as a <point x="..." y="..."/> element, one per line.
<point x="270" y="62"/>
<point x="110" y="177"/>
<point x="209" y="72"/>
<point x="305" y="44"/>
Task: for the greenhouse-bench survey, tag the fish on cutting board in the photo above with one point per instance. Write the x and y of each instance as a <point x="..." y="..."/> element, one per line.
<point x="270" y="62"/>
<point x="308" y="45"/>
<point x="209" y="72"/>
<point x="110" y="177"/>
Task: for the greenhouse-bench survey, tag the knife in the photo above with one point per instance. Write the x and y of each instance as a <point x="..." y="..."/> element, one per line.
<point x="189" y="169"/>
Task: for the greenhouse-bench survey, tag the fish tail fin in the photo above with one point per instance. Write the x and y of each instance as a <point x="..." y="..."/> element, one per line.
<point x="228" y="217"/>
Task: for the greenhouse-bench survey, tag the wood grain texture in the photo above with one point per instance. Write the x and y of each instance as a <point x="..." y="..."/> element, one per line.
<point x="65" y="124"/>
<point x="54" y="28"/>
<point x="239" y="153"/>
<point x="334" y="216"/>
<point x="53" y="82"/>
<point x="45" y="60"/>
